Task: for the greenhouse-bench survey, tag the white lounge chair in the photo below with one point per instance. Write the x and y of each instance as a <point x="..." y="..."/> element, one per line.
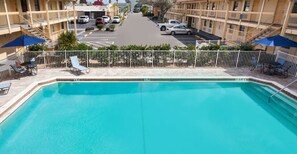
<point x="76" y="66"/>
<point x="4" y="87"/>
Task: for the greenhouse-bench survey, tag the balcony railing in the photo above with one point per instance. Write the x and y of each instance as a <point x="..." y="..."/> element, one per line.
<point x="37" y="18"/>
<point x="293" y="20"/>
<point x="233" y="15"/>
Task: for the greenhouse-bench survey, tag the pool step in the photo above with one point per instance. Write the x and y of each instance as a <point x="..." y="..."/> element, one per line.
<point x="284" y="105"/>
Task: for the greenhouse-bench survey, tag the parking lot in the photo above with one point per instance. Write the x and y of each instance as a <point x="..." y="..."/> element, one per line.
<point x="136" y="30"/>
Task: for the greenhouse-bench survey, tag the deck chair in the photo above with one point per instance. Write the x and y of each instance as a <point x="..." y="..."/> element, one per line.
<point x="76" y="66"/>
<point x="281" y="62"/>
<point x="4" y="88"/>
<point x="256" y="64"/>
<point x="284" y="71"/>
<point x="18" y="71"/>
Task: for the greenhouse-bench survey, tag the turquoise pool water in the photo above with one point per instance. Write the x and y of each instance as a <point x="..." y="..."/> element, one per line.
<point x="152" y="118"/>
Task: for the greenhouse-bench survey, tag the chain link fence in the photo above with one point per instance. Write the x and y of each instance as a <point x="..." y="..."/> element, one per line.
<point x="150" y="58"/>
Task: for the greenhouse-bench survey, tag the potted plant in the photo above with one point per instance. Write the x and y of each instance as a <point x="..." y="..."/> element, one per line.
<point x="111" y="28"/>
<point x="100" y="26"/>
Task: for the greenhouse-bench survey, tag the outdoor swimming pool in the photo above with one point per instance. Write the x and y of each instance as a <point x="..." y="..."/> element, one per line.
<point x="178" y="117"/>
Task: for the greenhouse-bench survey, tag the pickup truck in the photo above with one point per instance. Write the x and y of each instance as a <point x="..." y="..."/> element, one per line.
<point x="170" y="23"/>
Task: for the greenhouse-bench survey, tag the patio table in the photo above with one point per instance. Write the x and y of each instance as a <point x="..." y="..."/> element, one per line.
<point x="31" y="67"/>
<point x="269" y="67"/>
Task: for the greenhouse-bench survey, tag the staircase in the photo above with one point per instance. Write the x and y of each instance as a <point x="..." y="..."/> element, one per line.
<point x="36" y="32"/>
<point x="269" y="31"/>
<point x="32" y="30"/>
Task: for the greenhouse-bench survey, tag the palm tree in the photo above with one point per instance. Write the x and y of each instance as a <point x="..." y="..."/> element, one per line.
<point x="114" y="6"/>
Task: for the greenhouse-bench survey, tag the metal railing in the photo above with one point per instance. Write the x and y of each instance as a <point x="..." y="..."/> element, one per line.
<point x="269" y="99"/>
<point x="149" y="58"/>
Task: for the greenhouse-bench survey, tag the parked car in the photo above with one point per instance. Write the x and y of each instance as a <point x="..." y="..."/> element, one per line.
<point x="99" y="21"/>
<point x="179" y="29"/>
<point x="83" y="19"/>
<point x="136" y="10"/>
<point x="170" y="23"/>
<point x="106" y="18"/>
<point x="116" y="19"/>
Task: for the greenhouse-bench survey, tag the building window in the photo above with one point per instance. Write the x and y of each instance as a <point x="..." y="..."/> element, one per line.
<point x="210" y="24"/>
<point x="207" y="6"/>
<point x="62" y="25"/>
<point x="50" y="4"/>
<point x="231" y="27"/>
<point x="241" y="28"/>
<point x="61" y="5"/>
<point x="235" y="6"/>
<point x="213" y="6"/>
<point x="205" y="23"/>
<point x="24" y="5"/>
<point x="247" y="4"/>
<point x="36" y="4"/>
<point x="294" y="8"/>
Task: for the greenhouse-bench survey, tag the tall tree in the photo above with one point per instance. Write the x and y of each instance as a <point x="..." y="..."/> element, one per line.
<point x="163" y="5"/>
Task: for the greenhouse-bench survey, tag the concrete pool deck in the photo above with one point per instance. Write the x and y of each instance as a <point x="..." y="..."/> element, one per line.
<point x="18" y="85"/>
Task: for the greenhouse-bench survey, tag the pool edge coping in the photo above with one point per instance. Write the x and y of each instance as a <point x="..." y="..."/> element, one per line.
<point x="13" y="104"/>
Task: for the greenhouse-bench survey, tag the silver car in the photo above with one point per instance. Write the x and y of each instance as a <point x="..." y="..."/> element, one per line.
<point x="179" y="29"/>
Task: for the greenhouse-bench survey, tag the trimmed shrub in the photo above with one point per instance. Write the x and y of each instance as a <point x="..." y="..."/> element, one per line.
<point x="83" y="46"/>
<point x="38" y="47"/>
<point x="90" y="28"/>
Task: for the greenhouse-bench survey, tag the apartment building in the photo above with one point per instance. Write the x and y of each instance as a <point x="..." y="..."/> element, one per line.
<point x="239" y="21"/>
<point x="40" y="18"/>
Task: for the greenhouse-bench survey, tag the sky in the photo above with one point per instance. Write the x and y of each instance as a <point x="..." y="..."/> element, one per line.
<point x="112" y="1"/>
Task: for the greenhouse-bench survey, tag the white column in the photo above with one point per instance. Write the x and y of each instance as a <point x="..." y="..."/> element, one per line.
<point x="7" y="16"/>
<point x="287" y="17"/>
<point x="74" y="14"/>
<point x="262" y="8"/>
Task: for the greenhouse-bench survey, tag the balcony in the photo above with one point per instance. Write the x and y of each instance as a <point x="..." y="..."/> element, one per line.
<point x="292" y="24"/>
<point x="12" y="21"/>
<point x="251" y="19"/>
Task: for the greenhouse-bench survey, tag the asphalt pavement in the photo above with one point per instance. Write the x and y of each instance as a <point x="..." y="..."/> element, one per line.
<point x="136" y="30"/>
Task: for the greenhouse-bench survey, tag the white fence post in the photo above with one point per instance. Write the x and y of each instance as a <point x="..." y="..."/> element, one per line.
<point x="108" y="58"/>
<point x="152" y="58"/>
<point x="237" y="58"/>
<point x="130" y="58"/>
<point x="217" y="58"/>
<point x="196" y="54"/>
<point x="87" y="58"/>
<point x="44" y="58"/>
<point x="173" y="58"/>
<point x="259" y="57"/>
<point x="65" y="58"/>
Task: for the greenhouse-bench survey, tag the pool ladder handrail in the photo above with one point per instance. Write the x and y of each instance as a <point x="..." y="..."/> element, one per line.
<point x="281" y="90"/>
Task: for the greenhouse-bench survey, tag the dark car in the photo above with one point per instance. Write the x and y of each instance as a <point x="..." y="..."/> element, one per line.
<point x="100" y="21"/>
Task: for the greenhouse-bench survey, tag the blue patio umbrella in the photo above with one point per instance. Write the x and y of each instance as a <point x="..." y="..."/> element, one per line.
<point x="277" y="40"/>
<point x="23" y="41"/>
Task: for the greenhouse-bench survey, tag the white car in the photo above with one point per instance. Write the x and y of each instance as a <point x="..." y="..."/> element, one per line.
<point x="179" y="29"/>
<point x="106" y="19"/>
<point x="83" y="19"/>
<point x="116" y="19"/>
<point x="170" y="23"/>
